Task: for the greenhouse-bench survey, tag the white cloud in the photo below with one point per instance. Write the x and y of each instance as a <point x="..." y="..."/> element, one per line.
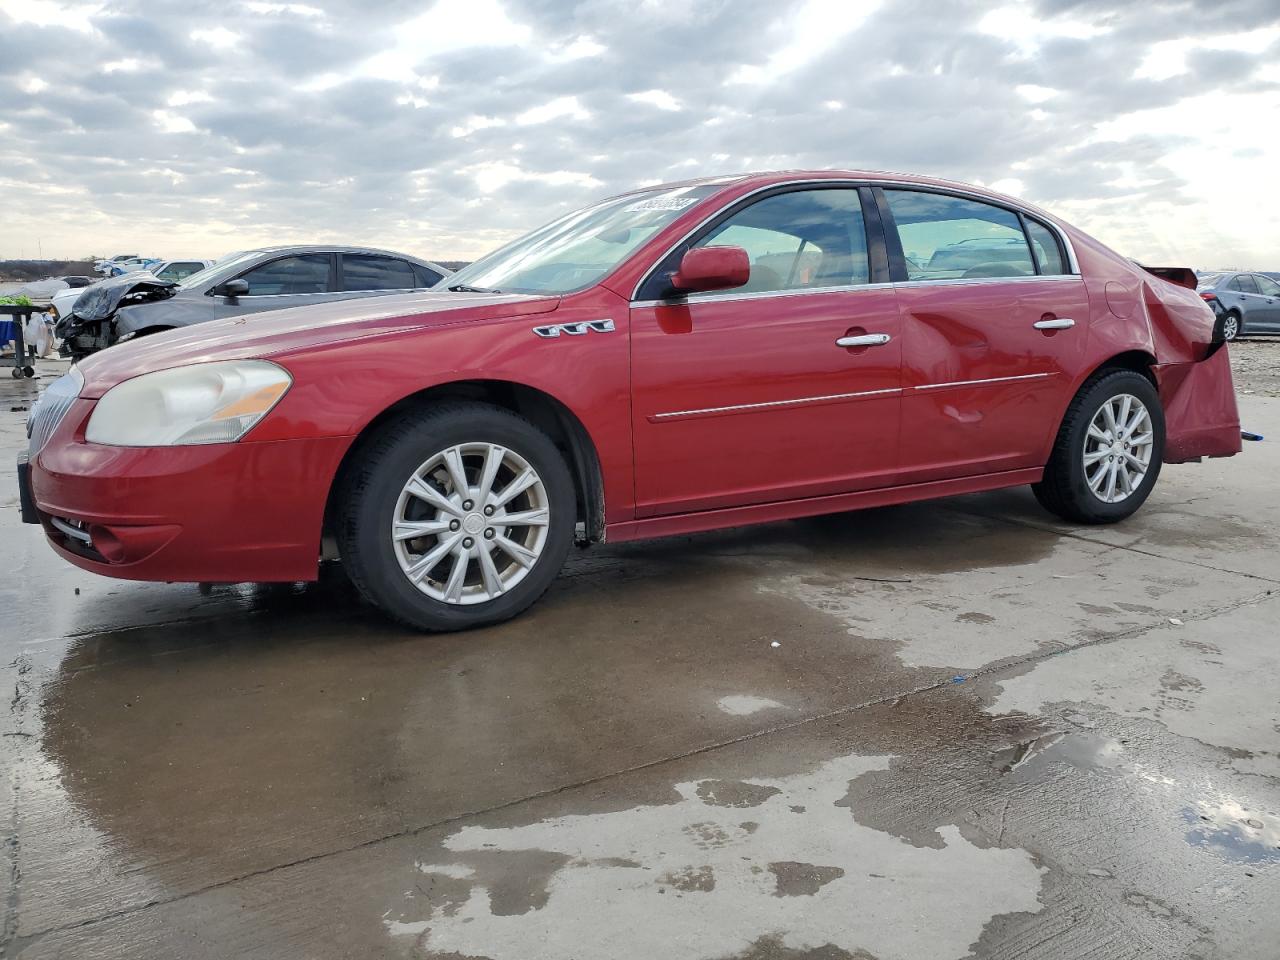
<point x="220" y="38"/>
<point x="32" y="84"/>
<point x="1168" y="58"/>
<point x="1028" y="29"/>
<point x="578" y="49"/>
<point x="472" y="124"/>
<point x="125" y="65"/>
<point x="171" y="122"/>
<point x="180" y="98"/>
<point x="1034" y="93"/>
<point x="656" y="98"/>
<point x="47" y="13"/>
<point x="493" y="176"/>
<point x="810" y="32"/>
<point x="553" y="110"/>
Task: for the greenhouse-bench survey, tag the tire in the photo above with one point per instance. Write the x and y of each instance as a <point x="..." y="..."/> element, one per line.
<point x="1232" y="330"/>
<point x="1066" y="488"/>
<point x="401" y="477"/>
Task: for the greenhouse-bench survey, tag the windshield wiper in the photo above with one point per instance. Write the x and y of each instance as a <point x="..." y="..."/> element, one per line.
<point x="467" y="288"/>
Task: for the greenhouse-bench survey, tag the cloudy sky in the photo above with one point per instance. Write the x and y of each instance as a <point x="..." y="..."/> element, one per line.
<point x="445" y="128"/>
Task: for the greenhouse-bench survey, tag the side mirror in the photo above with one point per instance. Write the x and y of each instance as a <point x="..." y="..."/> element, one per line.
<point x="712" y="268"/>
<point x="234" y="288"/>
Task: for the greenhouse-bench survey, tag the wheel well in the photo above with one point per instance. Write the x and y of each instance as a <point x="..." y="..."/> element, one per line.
<point x="544" y="411"/>
<point x="1138" y="361"/>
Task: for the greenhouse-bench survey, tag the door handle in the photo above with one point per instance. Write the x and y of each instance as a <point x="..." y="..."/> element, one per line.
<point x="864" y="340"/>
<point x="1061" y="323"/>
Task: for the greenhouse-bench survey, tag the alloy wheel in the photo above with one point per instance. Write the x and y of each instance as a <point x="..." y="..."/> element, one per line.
<point x="1117" y="448"/>
<point x="470" y="523"/>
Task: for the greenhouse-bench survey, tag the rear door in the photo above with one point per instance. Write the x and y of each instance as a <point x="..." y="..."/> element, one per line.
<point x="994" y="326"/>
<point x="367" y="274"/>
<point x="746" y="396"/>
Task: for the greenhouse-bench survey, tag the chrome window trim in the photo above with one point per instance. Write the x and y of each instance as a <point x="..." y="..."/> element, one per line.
<point x="955" y="281"/>
<point x="848" y="288"/>
<point x="1072" y="262"/>
<point x="758" y="294"/>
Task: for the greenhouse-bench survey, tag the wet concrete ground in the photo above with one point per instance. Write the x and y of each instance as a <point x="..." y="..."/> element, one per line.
<point x="980" y="733"/>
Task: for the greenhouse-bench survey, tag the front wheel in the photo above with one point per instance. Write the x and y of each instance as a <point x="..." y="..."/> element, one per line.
<point x="1108" y="451"/>
<point x="456" y="517"/>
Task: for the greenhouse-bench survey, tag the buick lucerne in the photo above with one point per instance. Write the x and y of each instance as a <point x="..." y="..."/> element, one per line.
<point x="681" y="358"/>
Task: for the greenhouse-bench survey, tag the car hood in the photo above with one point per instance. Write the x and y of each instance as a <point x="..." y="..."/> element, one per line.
<point x="279" y="332"/>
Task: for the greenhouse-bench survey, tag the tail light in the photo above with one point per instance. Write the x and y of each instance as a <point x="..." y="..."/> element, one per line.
<point x="1208" y="295"/>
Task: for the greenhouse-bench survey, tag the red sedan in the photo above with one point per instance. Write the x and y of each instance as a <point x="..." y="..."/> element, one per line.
<point x="681" y="358"/>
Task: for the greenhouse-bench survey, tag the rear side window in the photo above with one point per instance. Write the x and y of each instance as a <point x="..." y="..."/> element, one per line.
<point x="367" y="272"/>
<point x="1266" y="286"/>
<point x="425" y="277"/>
<point x="307" y="273"/>
<point x="798" y="240"/>
<point x="1048" y="251"/>
<point x="180" y="270"/>
<point x="1242" y="283"/>
<point x="950" y="238"/>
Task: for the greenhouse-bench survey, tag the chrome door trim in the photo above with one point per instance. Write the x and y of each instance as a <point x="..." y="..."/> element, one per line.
<point x="1072" y="262"/>
<point x="743" y="407"/>
<point x="974" y="383"/>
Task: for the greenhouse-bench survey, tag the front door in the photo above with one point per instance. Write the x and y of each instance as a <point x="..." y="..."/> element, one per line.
<point x="993" y="335"/>
<point x="746" y="396"/>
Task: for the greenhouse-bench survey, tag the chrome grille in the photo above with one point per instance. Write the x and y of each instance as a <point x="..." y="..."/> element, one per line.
<point x="49" y="409"/>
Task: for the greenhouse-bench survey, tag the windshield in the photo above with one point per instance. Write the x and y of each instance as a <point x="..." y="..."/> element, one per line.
<point x="577" y="250"/>
<point x="209" y="273"/>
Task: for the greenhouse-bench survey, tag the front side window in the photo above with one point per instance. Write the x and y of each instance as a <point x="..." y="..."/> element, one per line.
<point x="1266" y="286"/>
<point x="949" y="238"/>
<point x="799" y="240"/>
<point x="365" y="272"/>
<point x="305" y="273"/>
<point x="579" y="249"/>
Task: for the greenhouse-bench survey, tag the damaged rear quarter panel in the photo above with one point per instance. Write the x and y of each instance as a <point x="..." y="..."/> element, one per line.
<point x="1193" y="373"/>
<point x="1136" y="311"/>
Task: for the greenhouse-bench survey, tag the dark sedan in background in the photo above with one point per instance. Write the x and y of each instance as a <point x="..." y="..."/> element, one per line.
<point x="248" y="282"/>
<point x="1250" y="302"/>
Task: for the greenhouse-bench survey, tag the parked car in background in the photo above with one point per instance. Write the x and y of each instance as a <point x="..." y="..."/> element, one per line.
<point x="1249" y="302"/>
<point x="252" y="281"/>
<point x="120" y="268"/>
<point x="628" y="371"/>
<point x="104" y="266"/>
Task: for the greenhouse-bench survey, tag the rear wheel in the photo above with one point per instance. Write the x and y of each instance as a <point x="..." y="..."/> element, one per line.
<point x="1108" y="452"/>
<point x="456" y="517"/>
<point x="1232" y="325"/>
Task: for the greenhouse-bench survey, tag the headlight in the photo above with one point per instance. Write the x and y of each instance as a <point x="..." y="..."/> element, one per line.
<point x="200" y="403"/>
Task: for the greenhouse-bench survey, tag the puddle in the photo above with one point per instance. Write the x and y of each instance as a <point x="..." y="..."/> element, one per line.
<point x="1233" y="832"/>
<point x="718" y="881"/>
<point x="743" y="705"/>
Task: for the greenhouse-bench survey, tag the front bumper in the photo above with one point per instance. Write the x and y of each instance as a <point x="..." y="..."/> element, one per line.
<point x="223" y="513"/>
